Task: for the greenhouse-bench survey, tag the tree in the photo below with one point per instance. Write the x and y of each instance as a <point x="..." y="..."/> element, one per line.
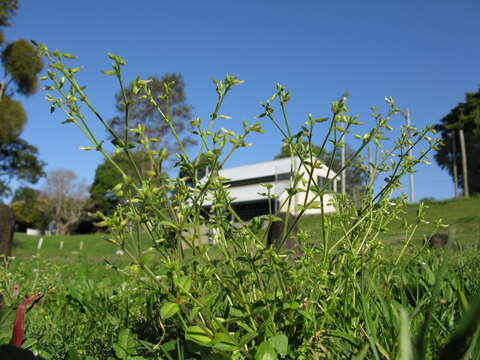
<point x="67" y="197"/>
<point x="18" y="159"/>
<point x="465" y="116"/>
<point x="356" y="176"/>
<point x="29" y="207"/>
<point x="141" y="112"/>
<point x="26" y="194"/>
<point x="8" y="8"/>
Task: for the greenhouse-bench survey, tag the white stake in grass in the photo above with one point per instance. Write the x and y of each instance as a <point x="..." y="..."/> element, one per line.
<point x="40" y="243"/>
<point x="61" y="244"/>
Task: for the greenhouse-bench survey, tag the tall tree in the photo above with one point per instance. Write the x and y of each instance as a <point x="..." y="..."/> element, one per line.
<point x="465" y="116"/>
<point x="356" y="177"/>
<point x="29" y="208"/>
<point x="67" y="197"/>
<point x="19" y="159"/>
<point x="142" y="112"/>
<point x="21" y="65"/>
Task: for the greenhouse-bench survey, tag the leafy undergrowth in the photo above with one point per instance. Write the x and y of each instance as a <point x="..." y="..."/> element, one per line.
<point x="90" y="308"/>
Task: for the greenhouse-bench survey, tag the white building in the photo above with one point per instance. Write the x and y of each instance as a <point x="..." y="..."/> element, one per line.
<point x="245" y="186"/>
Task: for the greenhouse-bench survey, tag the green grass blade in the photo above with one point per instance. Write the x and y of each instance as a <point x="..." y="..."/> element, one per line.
<point x="459" y="344"/>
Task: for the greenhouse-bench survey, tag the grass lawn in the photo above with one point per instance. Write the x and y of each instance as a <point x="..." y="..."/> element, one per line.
<point x="87" y="304"/>
<point x="91" y="246"/>
<point x="462" y="216"/>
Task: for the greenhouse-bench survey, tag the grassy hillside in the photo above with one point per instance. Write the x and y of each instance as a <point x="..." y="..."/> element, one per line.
<point x="462" y="216"/>
<point x="91" y="246"/>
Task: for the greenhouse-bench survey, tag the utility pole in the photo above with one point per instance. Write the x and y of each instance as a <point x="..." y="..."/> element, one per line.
<point x="466" y="192"/>
<point x="412" y="196"/>
<point x="454" y="165"/>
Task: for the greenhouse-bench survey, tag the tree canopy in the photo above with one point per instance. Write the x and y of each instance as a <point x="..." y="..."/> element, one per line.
<point x="12" y="119"/>
<point x="142" y="112"/>
<point x="19" y="160"/>
<point x="8" y="8"/>
<point x="466" y="116"/>
<point x="29" y="207"/>
<point x="21" y="64"/>
<point x="26" y="194"/>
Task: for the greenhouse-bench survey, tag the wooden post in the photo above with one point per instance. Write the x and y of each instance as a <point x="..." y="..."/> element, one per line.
<point x="466" y="192"/>
<point x="455" y="171"/>
<point x="7" y="227"/>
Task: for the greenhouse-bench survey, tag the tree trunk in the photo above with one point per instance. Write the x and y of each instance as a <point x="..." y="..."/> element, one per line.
<point x="7" y="227"/>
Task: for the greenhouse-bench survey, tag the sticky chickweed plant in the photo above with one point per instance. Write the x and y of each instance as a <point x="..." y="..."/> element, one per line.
<point x="238" y="298"/>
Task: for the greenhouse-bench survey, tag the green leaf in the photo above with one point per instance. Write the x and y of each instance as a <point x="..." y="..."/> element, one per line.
<point x="68" y="56"/>
<point x="199" y="335"/>
<point x="306" y="314"/>
<point x="224" y="342"/>
<point x="108" y="72"/>
<point x="247" y="338"/>
<point x="184" y="283"/>
<point x="265" y="352"/>
<point x="280" y="343"/>
<point x="170" y="345"/>
<point x="126" y="345"/>
<point x="7" y="317"/>
<point x="148" y="258"/>
<point x="168" y="310"/>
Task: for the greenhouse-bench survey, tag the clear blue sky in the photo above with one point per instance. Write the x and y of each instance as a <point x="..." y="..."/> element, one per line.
<point x="425" y="54"/>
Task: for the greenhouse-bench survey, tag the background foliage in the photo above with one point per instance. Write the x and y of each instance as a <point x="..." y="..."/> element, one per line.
<point x="21" y="64"/>
<point x="466" y="116"/>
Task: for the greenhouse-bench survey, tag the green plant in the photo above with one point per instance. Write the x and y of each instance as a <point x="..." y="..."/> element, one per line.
<point x="240" y="299"/>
